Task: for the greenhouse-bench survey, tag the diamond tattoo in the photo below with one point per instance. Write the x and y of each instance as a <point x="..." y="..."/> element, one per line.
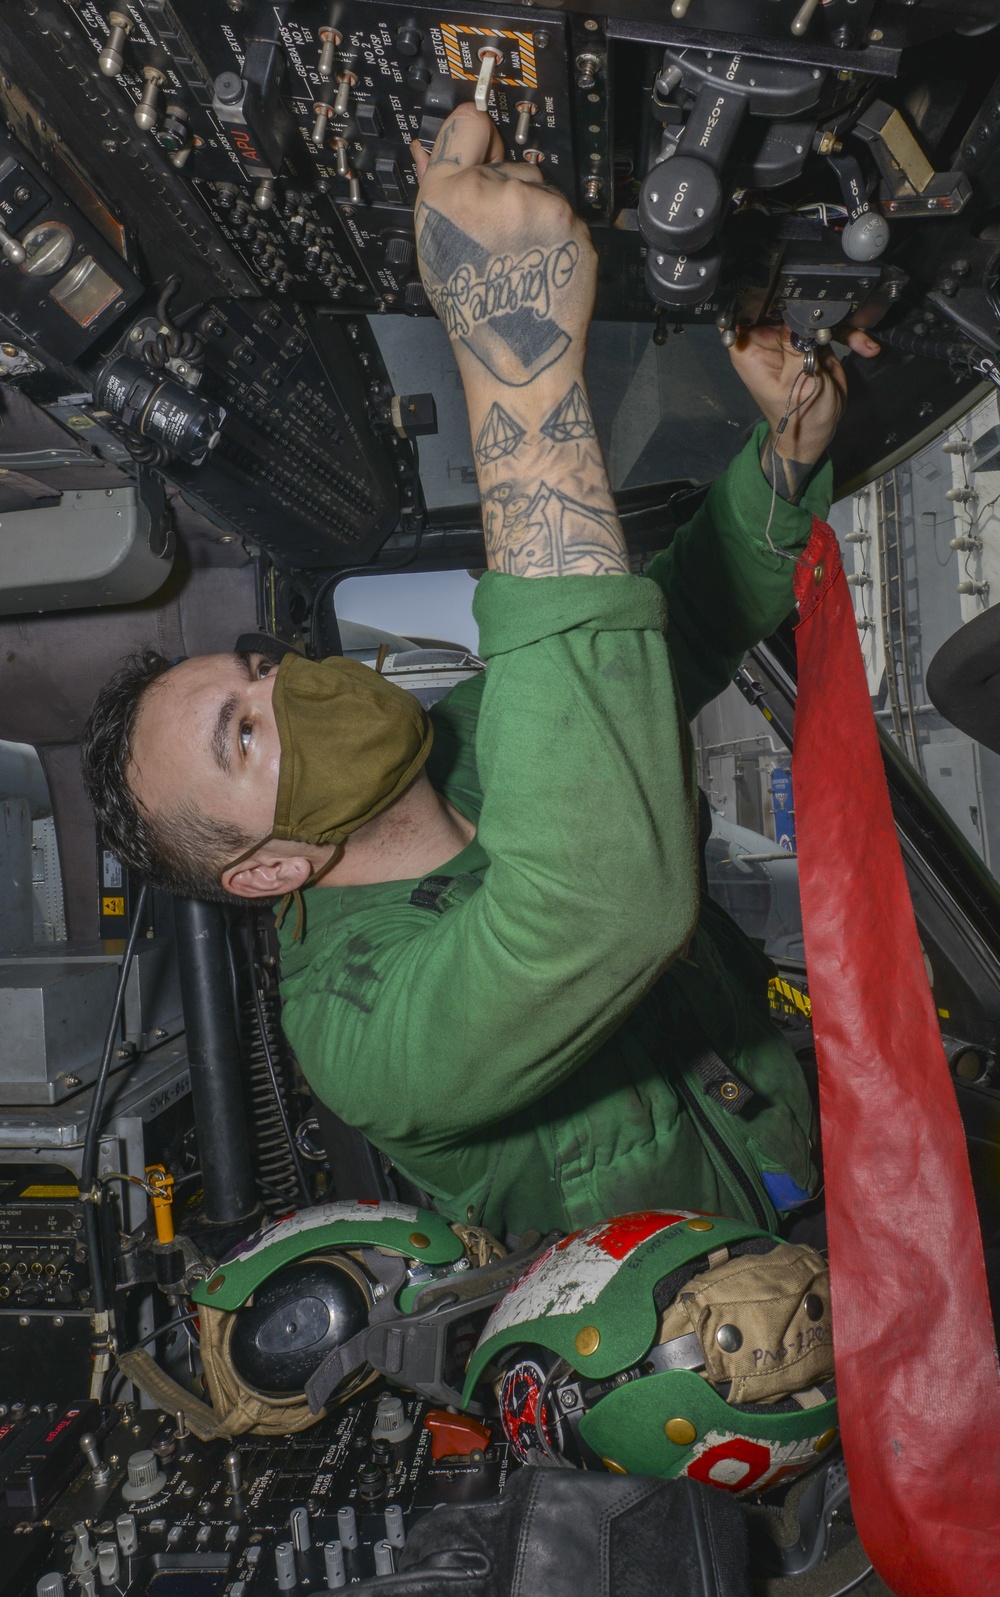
<point x="498" y="436"/>
<point x="571" y="420"/>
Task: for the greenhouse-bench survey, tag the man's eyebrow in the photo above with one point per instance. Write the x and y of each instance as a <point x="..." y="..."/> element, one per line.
<point x="221" y="745"/>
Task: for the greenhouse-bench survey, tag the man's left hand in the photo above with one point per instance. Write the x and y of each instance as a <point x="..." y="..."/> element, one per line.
<point x="768" y="365"/>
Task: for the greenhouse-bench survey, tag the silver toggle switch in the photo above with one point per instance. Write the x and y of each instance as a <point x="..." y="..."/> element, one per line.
<point x="340" y="154"/>
<point x="525" y="111"/>
<point x="110" y="59"/>
<point x="803" y="17"/>
<point x="323" y="115"/>
<point x="147" y="112"/>
<point x="345" y="83"/>
<point x="330" y="40"/>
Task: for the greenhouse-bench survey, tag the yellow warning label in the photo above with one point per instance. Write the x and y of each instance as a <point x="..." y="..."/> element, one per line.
<point x="789" y="1000"/>
<point x="51" y="1192"/>
<point x="112" y="906"/>
<point x="517" y="69"/>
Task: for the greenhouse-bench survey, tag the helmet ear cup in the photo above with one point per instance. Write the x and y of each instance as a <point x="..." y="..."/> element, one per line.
<point x="299" y="1315"/>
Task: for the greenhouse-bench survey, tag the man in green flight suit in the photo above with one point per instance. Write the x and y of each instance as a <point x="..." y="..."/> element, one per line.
<point x="502" y="975"/>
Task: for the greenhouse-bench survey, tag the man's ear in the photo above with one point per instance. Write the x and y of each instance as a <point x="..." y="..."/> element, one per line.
<point x="267" y="878"/>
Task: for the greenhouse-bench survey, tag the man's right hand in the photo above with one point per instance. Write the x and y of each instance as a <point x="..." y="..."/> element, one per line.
<point x="507" y="264"/>
<point x="510" y="270"/>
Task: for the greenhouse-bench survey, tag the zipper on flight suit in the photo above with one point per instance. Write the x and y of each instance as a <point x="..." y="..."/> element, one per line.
<point x="729" y="1159"/>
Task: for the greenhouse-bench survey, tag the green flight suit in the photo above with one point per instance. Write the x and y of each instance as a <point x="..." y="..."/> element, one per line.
<point x="522" y="1044"/>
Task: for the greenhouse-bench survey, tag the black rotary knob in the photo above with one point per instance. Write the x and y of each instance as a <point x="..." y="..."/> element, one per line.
<point x="680" y="204"/>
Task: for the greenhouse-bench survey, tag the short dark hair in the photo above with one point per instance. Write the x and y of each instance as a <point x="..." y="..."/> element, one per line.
<point x="182" y="852"/>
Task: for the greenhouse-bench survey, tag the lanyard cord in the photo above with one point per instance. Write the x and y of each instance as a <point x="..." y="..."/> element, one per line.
<point x="789" y="412"/>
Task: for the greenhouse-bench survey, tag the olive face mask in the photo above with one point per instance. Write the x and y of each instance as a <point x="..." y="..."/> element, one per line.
<point x="351" y="743"/>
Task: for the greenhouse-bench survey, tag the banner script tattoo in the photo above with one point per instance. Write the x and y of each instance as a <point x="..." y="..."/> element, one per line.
<point x="548" y="533"/>
<point x="498" y="306"/>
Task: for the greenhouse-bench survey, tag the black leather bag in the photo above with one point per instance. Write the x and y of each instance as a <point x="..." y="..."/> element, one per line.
<point x="556" y="1533"/>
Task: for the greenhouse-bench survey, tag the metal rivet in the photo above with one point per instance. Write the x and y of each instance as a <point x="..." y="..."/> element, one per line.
<point x="823" y="1442"/>
<point x="616" y="1469"/>
<point x="418" y="1240"/>
<point x="818" y="573"/>
<point x="813" y="1306"/>
<point x="680" y="1431"/>
<point x="730" y="1090"/>
<point x="729" y="1338"/>
<point x="470" y="1212"/>
<point x="700" y="1225"/>
<point x="215" y="1283"/>
<point x="588" y="1340"/>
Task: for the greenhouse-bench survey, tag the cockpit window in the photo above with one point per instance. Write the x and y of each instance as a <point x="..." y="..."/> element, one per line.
<point x="664" y="412"/>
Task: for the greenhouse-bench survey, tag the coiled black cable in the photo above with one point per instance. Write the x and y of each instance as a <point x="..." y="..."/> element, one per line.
<point x="279" y="1164"/>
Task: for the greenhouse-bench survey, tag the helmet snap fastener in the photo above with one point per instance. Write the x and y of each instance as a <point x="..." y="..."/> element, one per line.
<point x="215" y="1283"/>
<point x="818" y="573"/>
<point x="823" y="1442"/>
<point x="680" y="1431"/>
<point x="729" y="1338"/>
<point x="700" y="1225"/>
<point x="813" y="1306"/>
<point x="588" y="1340"/>
<point x="729" y="1090"/>
<point x="418" y="1240"/>
<point x="616" y="1469"/>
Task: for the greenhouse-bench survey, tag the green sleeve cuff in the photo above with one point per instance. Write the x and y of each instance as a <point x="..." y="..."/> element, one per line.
<point x="514" y="611"/>
<point x="742" y="498"/>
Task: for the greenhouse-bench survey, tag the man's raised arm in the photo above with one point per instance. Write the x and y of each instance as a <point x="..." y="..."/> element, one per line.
<point x="510" y="270"/>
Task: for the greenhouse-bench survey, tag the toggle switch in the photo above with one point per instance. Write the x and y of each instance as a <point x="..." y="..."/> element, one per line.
<point x="525" y="111"/>
<point x="342" y="104"/>
<point x="146" y="111"/>
<point x="340" y="153"/>
<point x="110" y="59"/>
<point x="100" y="1473"/>
<point x="13" y="250"/>
<point x="330" y="40"/>
<point x="490" y="57"/>
<point x="323" y="114"/>
<point x="803" y="17"/>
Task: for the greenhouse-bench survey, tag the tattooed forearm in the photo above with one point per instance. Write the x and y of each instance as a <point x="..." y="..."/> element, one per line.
<point x="787" y="477"/>
<point x="537" y="530"/>
<point x="547" y="507"/>
<point x="498" y="306"/>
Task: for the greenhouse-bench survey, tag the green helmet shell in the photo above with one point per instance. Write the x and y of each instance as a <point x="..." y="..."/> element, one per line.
<point x="589" y="1300"/>
<point x="413" y="1233"/>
